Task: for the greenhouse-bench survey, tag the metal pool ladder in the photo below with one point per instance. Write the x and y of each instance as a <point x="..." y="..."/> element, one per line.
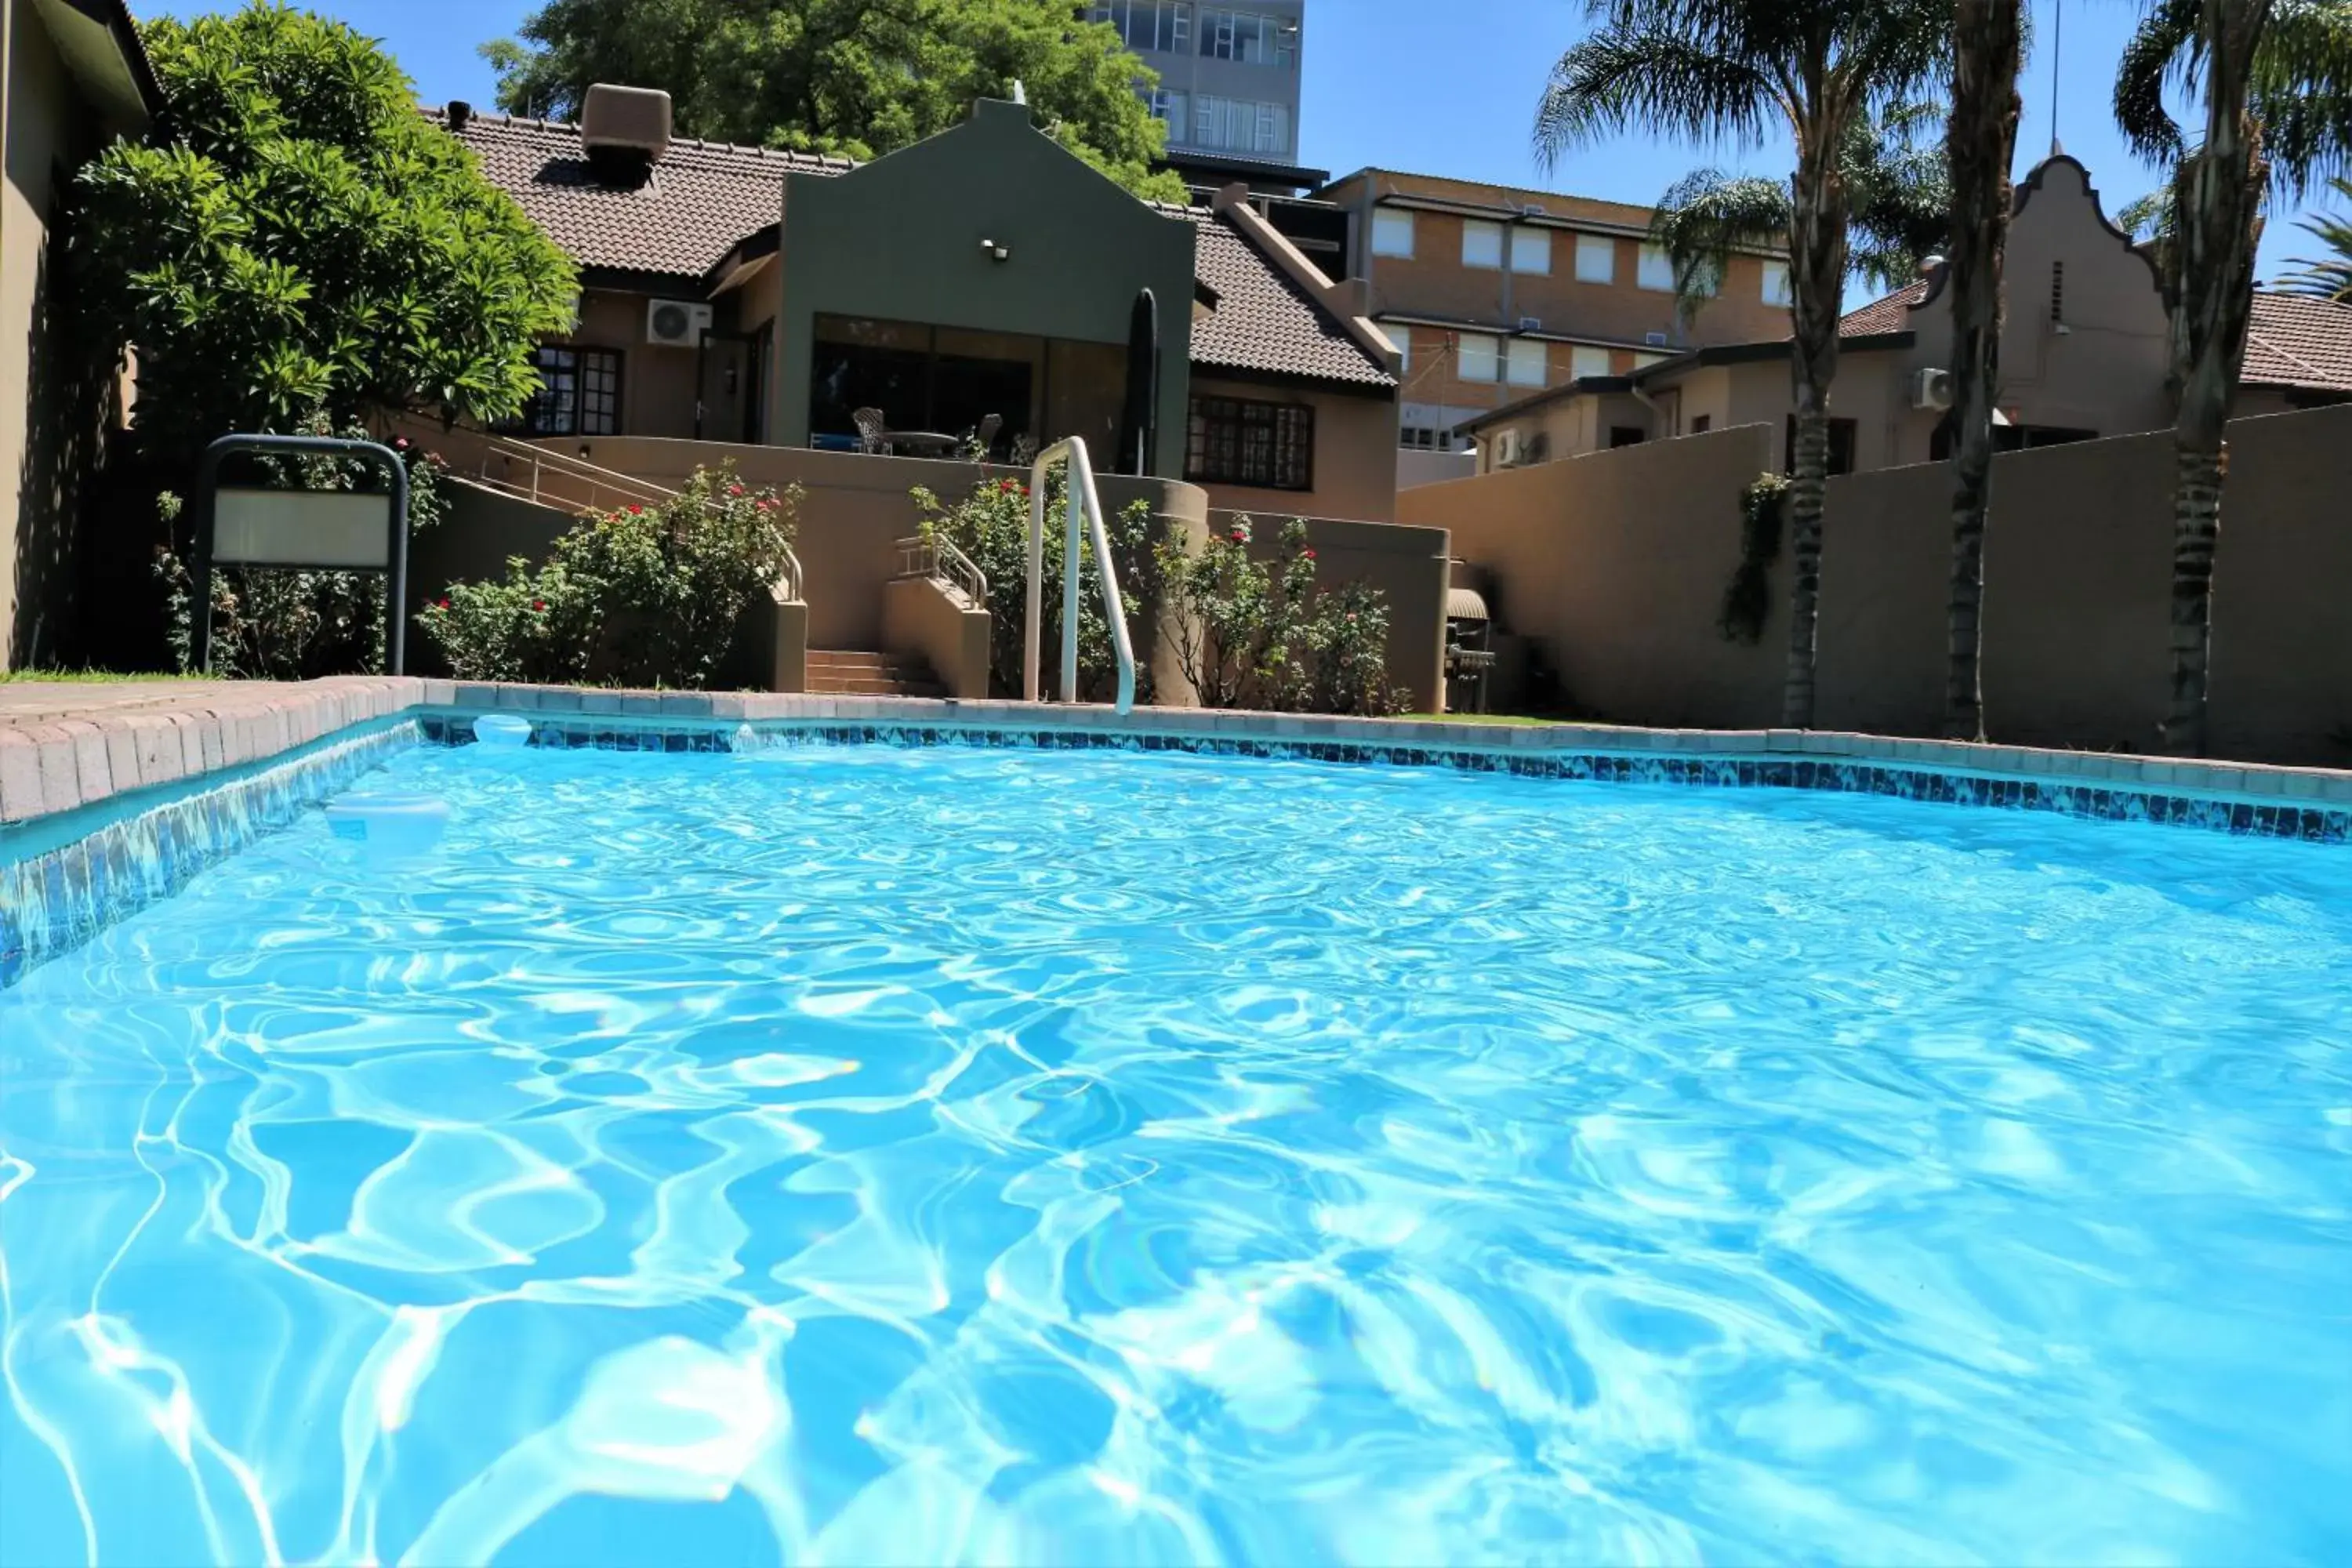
<point x="1087" y="506"/>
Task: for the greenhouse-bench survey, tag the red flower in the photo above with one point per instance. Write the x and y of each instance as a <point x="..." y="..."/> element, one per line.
<point x="1239" y="537"/>
<point x="637" y="510"/>
<point x="539" y="604"/>
<point x="442" y="605"/>
<point x="1309" y="554"/>
<point x="734" y="489"/>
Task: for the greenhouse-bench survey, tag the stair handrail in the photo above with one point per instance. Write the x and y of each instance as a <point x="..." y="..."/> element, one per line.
<point x="931" y="556"/>
<point x="790" y="586"/>
<point x="1085" y="506"/>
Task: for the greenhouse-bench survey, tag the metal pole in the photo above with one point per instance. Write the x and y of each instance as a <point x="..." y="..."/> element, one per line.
<point x="1034" y="621"/>
<point x="1069" y="692"/>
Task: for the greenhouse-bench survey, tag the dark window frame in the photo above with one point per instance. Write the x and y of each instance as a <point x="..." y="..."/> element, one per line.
<point x="1249" y="442"/>
<point x="548" y="413"/>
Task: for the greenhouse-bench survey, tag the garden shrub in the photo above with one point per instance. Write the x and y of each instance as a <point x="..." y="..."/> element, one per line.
<point x="990" y="525"/>
<point x="1249" y="632"/>
<point x="636" y="596"/>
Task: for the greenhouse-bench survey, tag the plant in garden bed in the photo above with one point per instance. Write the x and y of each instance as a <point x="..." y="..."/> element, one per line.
<point x="1256" y="633"/>
<point x="990" y="525"/>
<point x="636" y="596"/>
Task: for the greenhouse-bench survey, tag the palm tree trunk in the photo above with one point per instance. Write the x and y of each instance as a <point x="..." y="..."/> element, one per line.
<point x="1817" y="255"/>
<point x="2217" y="220"/>
<point x="1980" y="143"/>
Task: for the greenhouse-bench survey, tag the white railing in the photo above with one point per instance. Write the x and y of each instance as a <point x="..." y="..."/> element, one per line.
<point x="1085" y="506"/>
<point x="935" y="557"/>
<point x="788" y="586"/>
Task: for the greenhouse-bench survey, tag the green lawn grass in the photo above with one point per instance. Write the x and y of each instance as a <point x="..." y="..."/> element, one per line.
<point x="1478" y="719"/>
<point x="93" y="677"/>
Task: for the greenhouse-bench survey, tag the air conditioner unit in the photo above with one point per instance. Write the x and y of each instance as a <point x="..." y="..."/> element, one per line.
<point x="1656" y="339"/>
<point x="1931" y="389"/>
<point x="676" y="323"/>
<point x="1532" y="323"/>
<point x="1508" y="448"/>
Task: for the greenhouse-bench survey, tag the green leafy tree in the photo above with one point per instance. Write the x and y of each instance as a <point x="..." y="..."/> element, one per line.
<point x="291" y="238"/>
<point x="859" y="78"/>
<point x="1987" y="46"/>
<point x="2329" y="276"/>
<point x="1743" y="71"/>
<point x="2273" y="79"/>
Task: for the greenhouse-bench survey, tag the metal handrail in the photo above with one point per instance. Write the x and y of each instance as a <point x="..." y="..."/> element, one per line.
<point x="935" y="557"/>
<point x="788" y="588"/>
<point x="1086" y="505"/>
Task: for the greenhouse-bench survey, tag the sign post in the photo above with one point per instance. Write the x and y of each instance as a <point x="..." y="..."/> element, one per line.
<point x="317" y="531"/>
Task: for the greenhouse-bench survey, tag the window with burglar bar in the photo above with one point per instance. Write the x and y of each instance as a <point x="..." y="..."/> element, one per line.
<point x="579" y="393"/>
<point x="1240" y="441"/>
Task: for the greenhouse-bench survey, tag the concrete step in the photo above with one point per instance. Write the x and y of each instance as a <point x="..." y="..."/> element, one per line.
<point x="854" y="672"/>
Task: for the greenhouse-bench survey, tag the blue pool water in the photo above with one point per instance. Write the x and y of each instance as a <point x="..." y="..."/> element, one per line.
<point x="862" y="1155"/>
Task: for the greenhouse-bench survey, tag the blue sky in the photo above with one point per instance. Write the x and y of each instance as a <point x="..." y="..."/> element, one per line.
<point x="1449" y="87"/>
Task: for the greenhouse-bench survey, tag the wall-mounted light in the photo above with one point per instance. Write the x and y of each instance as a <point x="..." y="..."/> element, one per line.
<point x="995" y="251"/>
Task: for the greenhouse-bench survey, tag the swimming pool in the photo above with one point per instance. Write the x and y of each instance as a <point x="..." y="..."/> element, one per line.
<point x="860" y="1153"/>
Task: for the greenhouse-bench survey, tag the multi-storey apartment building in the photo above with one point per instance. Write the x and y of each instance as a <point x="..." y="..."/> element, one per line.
<point x="1494" y="293"/>
<point x="1228" y="85"/>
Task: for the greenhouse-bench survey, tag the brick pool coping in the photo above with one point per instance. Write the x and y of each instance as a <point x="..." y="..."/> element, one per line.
<point x="56" y="765"/>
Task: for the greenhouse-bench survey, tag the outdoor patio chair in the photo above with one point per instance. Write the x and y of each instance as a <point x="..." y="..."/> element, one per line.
<point x="984" y="438"/>
<point x="871" y="427"/>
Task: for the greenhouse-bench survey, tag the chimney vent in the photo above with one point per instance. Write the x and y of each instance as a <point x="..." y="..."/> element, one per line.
<point x="624" y="123"/>
<point x="459" y="114"/>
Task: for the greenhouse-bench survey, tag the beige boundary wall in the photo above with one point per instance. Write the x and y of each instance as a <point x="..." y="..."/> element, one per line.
<point x="1617" y="562"/>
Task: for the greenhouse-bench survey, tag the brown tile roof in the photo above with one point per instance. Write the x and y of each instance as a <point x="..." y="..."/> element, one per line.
<point x="1891" y="313"/>
<point x="2298" y="341"/>
<point x="1263" y="321"/>
<point x="704" y="197"/>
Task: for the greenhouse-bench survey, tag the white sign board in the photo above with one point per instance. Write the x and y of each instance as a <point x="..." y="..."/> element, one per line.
<point x="335" y="530"/>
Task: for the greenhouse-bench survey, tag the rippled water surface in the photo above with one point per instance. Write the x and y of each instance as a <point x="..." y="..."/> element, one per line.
<point x="883" y="1156"/>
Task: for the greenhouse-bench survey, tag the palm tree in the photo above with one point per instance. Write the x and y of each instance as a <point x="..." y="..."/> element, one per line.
<point x="1714" y="71"/>
<point x="1987" y="42"/>
<point x="2275" y="79"/>
<point x="2329" y="277"/>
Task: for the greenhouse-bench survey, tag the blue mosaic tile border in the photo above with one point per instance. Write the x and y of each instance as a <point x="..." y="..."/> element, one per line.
<point x="54" y="901"/>
<point x="2275" y="819"/>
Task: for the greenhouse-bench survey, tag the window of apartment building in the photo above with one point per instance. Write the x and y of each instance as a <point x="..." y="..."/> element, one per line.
<point x="1701" y="424"/>
<point x="1425" y="439"/>
<point x="1240" y="441"/>
<point x="1250" y="37"/>
<point x="1841" y="447"/>
<point x="1482" y="243"/>
<point x="1165" y="25"/>
<point x="1776" y="284"/>
<point x="1392" y="232"/>
<point x="1657" y="271"/>
<point x="1172" y="107"/>
<point x="1526" y="362"/>
<point x="1240" y="125"/>
<point x="579" y="393"/>
<point x="1586" y="362"/>
<point x="1626" y="436"/>
<point x="1531" y="252"/>
<point x="1401" y="335"/>
<point x="1643" y="359"/>
<point x="1596" y="258"/>
<point x="1478" y="357"/>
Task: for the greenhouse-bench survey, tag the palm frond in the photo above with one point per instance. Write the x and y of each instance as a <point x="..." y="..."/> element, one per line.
<point x="1707" y="216"/>
<point x="2301" y="91"/>
<point x="1640" y="77"/>
<point x="1898" y="191"/>
<point x="2162" y="52"/>
<point x="2147" y="217"/>
<point x="2328" y="277"/>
